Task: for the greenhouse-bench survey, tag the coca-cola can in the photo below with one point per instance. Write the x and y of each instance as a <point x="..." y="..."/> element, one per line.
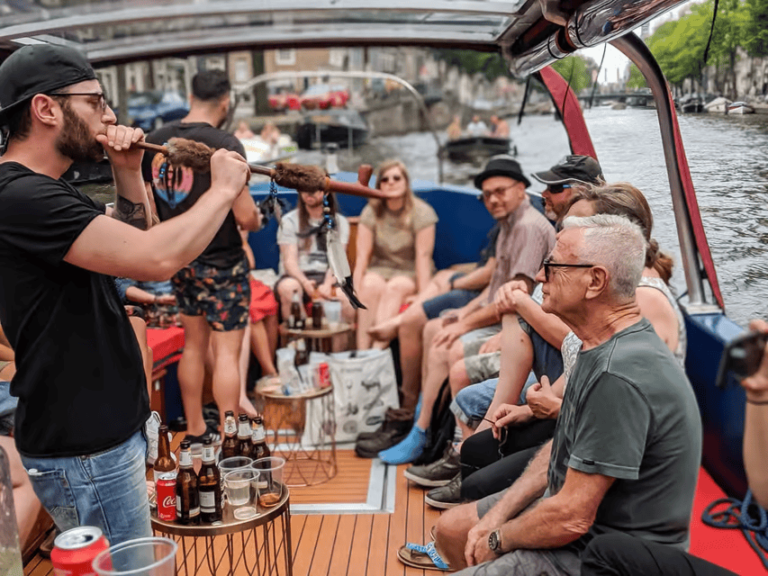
<point x="74" y="550"/>
<point x="323" y="375"/>
<point x="166" y="496"/>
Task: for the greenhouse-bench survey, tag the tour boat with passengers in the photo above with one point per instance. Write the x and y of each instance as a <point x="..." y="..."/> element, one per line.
<point x="356" y="526"/>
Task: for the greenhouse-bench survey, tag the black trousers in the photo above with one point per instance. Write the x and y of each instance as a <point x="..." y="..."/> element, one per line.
<point x="624" y="555"/>
<point x="487" y="469"/>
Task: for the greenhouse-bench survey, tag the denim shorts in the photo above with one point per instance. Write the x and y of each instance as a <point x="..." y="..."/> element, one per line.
<point x="107" y="489"/>
<point x="547" y="360"/>
<point x="449" y="301"/>
<point x="7" y="408"/>
<point x="471" y="403"/>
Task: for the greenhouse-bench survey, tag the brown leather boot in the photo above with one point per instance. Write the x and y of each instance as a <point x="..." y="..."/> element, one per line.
<point x="397" y="423"/>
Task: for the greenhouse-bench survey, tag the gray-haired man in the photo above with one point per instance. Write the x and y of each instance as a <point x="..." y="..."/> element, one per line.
<point x="626" y="449"/>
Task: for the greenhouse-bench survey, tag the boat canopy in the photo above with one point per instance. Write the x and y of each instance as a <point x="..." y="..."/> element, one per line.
<point x="129" y="30"/>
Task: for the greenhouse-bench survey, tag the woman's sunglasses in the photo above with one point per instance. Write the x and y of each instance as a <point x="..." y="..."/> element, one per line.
<point x="391" y="178"/>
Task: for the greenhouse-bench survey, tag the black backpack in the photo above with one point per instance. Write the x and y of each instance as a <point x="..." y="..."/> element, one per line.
<point x="441" y="427"/>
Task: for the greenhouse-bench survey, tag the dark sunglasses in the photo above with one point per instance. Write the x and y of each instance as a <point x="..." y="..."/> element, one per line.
<point x="547" y="264"/>
<point x="392" y="178"/>
<point x="503" y="437"/>
<point x="558" y="188"/>
<point x="100" y="95"/>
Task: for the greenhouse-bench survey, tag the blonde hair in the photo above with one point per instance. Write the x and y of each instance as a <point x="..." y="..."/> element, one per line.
<point x="379" y="206"/>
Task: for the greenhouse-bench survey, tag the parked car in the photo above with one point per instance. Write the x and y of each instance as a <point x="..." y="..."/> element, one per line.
<point x="282" y="99"/>
<point x="150" y="110"/>
<point x="324" y="96"/>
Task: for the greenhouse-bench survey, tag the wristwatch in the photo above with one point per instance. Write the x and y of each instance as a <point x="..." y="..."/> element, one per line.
<point x="494" y="541"/>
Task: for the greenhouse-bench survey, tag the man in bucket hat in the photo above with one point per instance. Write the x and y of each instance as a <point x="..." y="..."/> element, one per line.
<point x="80" y="380"/>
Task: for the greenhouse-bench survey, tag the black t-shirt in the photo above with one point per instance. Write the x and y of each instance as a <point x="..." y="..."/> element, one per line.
<point x="177" y="189"/>
<point x="80" y="377"/>
<point x="490" y="249"/>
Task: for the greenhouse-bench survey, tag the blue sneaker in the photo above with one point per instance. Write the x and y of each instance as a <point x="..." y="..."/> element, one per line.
<point x="407" y="450"/>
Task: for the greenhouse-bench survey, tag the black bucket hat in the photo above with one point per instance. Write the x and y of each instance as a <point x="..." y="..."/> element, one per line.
<point x="39" y="69"/>
<point x="502" y="165"/>
<point x="572" y="168"/>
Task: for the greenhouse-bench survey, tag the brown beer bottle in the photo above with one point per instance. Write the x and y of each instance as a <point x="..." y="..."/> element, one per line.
<point x="296" y="318"/>
<point x="244" y="436"/>
<point x="187" y="495"/>
<point x="229" y="445"/>
<point x="259" y="448"/>
<point x="164" y="462"/>
<point x="209" y="481"/>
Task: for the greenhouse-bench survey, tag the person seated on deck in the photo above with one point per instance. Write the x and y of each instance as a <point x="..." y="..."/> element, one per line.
<point x="243" y="131"/>
<point x="454" y="128"/>
<point x="531" y="422"/>
<point x="25" y="502"/>
<point x="525" y="238"/>
<point x="395" y="242"/>
<point x="623" y="555"/>
<point x="304" y="268"/>
<point x="500" y="127"/>
<point x="627" y="444"/>
<point x="270" y="133"/>
<point x="477" y="127"/>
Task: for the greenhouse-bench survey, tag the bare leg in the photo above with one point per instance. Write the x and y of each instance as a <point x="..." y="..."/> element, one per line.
<point x="244" y="403"/>
<point x="437" y="372"/>
<point x="409" y="335"/>
<point x="226" y="372"/>
<point x="24" y="499"/>
<point x="371" y="289"/>
<point x="516" y="362"/>
<point x="285" y="290"/>
<point x="440" y="284"/>
<point x="430" y="330"/>
<point x="395" y="293"/>
<point x="191" y="371"/>
<point x="457" y="378"/>
<point x="260" y="345"/>
<point x="451" y="533"/>
<point x="270" y="327"/>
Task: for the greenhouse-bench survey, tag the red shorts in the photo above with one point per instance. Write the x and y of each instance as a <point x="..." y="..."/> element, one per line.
<point x="263" y="301"/>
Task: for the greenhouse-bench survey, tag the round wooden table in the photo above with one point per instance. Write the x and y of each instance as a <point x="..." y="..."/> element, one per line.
<point x="318" y="340"/>
<point x="310" y="454"/>
<point x="241" y="549"/>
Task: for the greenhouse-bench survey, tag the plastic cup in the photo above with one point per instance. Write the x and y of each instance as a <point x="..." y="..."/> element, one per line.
<point x="235" y="463"/>
<point x="238" y="484"/>
<point x="332" y="311"/>
<point x="146" y="556"/>
<point x="269" y="486"/>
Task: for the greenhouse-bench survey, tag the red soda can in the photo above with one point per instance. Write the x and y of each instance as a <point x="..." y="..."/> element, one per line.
<point x="166" y="496"/>
<point x="74" y="550"/>
<point x="323" y="375"/>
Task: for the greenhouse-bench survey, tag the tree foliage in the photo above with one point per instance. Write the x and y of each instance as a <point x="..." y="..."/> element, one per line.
<point x="489" y="64"/>
<point x="636" y="79"/>
<point x="755" y="31"/>
<point x="577" y="70"/>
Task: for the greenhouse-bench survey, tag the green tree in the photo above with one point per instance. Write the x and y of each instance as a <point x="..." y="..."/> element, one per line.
<point x="755" y="31"/>
<point x="636" y="79"/>
<point x="490" y="64"/>
<point x="577" y="70"/>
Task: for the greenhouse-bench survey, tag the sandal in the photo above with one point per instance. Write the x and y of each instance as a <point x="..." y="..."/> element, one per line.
<point x="422" y="557"/>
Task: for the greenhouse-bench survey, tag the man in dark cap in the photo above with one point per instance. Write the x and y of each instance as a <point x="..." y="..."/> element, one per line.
<point x="525" y="238"/>
<point x="564" y="178"/>
<point x="80" y="381"/>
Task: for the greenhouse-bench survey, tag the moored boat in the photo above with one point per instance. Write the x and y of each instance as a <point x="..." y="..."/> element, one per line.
<point x="345" y="127"/>
<point x="740" y="108"/>
<point x="474" y="148"/>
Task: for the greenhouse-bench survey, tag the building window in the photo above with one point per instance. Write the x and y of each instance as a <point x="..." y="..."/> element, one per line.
<point x="242" y="70"/>
<point x="285" y="56"/>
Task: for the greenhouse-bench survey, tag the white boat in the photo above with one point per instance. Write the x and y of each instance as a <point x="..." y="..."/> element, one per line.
<point x="717" y="106"/>
<point x="257" y="151"/>
<point x="740" y="108"/>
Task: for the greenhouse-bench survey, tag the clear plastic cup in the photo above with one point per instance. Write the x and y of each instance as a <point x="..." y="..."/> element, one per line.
<point x="235" y="463"/>
<point x="145" y="556"/>
<point x="238" y="484"/>
<point x="270" y="485"/>
<point x="332" y="311"/>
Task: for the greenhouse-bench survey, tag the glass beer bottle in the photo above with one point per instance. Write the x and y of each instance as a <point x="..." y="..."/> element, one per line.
<point x="259" y="448"/>
<point x="209" y="482"/>
<point x="187" y="495"/>
<point x="164" y="463"/>
<point x="244" y="436"/>
<point x="229" y="445"/>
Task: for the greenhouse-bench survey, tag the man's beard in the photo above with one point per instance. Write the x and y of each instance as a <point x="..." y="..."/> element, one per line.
<point x="76" y="141"/>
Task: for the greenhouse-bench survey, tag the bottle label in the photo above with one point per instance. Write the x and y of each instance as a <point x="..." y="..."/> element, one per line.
<point x="245" y="430"/>
<point x="185" y="458"/>
<point x="208" y="502"/>
<point x="230" y="428"/>
<point x="194" y="512"/>
<point x="258" y="434"/>
<point x="208" y="454"/>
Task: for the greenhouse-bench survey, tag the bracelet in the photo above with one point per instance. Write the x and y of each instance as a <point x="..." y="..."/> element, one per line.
<point x="757" y="402"/>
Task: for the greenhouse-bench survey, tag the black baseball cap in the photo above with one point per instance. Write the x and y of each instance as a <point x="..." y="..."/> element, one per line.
<point x="572" y="168"/>
<point x="39" y="69"/>
<point x="502" y="165"/>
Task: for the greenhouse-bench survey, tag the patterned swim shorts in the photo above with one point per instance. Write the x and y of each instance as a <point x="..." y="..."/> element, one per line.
<point x="222" y="295"/>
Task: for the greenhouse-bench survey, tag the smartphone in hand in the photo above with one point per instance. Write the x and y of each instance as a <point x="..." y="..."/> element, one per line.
<point x="742" y="356"/>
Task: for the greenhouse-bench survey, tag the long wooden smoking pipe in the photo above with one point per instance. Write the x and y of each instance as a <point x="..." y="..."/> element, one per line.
<point x="182" y="152"/>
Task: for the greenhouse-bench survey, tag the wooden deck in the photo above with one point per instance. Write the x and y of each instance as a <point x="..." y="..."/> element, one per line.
<point x="352" y="540"/>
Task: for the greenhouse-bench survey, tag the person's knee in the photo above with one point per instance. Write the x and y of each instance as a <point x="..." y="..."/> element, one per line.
<point x="413" y="320"/>
<point x="430" y="329"/>
<point x="372" y="283"/>
<point x="603" y="554"/>
<point x="286" y="289"/>
<point x="453" y="526"/>
<point x="401" y="285"/>
<point x="458" y="377"/>
<point x="456" y="352"/>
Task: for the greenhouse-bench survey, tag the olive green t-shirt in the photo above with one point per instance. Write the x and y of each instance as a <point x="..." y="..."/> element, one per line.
<point x="394" y="238"/>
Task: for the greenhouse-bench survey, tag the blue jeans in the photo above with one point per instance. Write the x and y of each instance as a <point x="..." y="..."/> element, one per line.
<point x="471" y="403"/>
<point x="107" y="490"/>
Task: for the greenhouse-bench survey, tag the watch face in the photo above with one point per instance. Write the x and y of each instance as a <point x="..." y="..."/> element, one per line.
<point x="493" y="540"/>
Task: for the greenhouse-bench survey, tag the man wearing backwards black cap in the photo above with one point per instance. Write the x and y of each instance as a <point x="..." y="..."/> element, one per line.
<point x="525" y="238"/>
<point x="80" y="381"/>
<point x="563" y="178"/>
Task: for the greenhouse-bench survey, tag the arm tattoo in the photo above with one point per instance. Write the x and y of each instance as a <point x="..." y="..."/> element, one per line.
<point x="130" y="213"/>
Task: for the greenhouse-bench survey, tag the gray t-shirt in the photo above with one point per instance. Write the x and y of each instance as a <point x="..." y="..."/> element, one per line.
<point x="311" y="257"/>
<point x="629" y="412"/>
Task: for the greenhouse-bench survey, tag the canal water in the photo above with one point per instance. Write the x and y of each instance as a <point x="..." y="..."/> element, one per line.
<point x="728" y="157"/>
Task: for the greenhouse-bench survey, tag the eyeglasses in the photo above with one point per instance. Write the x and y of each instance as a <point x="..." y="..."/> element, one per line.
<point x="100" y="95"/>
<point x="395" y="178"/>
<point x="558" y="188"/>
<point x="547" y="264"/>
<point x="499" y="192"/>
<point x="503" y="437"/>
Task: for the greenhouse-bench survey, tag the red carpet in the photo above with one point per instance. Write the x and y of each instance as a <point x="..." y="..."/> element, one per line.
<point x="725" y="547"/>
